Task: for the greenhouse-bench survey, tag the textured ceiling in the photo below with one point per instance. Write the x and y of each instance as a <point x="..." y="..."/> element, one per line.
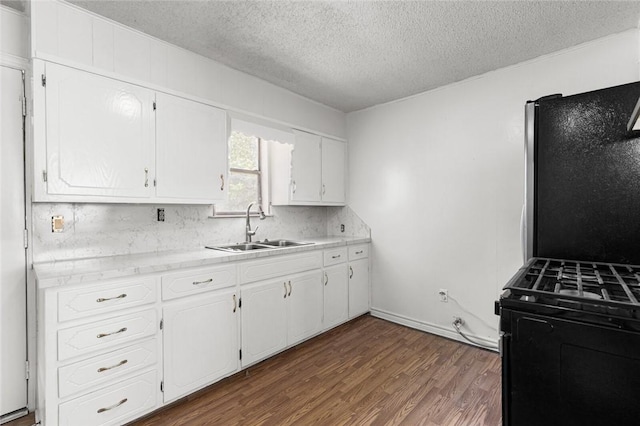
<point x="354" y="54"/>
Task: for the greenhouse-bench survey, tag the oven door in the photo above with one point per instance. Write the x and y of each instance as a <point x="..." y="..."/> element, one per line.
<point x="564" y="372"/>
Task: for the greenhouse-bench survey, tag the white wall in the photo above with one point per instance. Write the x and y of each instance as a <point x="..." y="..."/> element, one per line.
<point x="439" y="178"/>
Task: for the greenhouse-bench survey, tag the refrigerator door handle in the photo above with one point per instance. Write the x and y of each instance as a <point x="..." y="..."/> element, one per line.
<point x="523" y="233"/>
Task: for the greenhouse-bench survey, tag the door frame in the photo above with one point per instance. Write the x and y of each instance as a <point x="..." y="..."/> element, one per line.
<point x="23" y="65"/>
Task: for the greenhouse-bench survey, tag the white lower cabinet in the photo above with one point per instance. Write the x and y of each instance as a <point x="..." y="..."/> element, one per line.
<point x="114" y="350"/>
<point x="279" y="313"/>
<point x="264" y="319"/>
<point x="113" y="405"/>
<point x="358" y="280"/>
<point x="336" y="295"/>
<point x="200" y="341"/>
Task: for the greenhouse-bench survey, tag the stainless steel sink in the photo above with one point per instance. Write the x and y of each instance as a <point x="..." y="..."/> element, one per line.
<point x="234" y="248"/>
<point x="263" y="245"/>
<point x="284" y="243"/>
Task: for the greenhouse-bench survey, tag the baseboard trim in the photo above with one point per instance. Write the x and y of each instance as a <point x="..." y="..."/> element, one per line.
<point x="433" y="328"/>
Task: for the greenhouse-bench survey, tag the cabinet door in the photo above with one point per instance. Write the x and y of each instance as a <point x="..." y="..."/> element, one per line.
<point x="304" y="306"/>
<point x="191" y="149"/>
<point x="358" y="287"/>
<point x="306" y="167"/>
<point x="333" y="171"/>
<point x="99" y="135"/>
<point x="200" y="342"/>
<point x="336" y="295"/>
<point x="264" y="319"/>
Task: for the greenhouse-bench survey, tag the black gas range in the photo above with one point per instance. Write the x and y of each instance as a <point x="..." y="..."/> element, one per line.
<point x="570" y="344"/>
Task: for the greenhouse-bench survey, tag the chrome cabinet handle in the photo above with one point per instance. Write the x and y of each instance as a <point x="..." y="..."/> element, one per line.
<point x="235" y="305"/>
<point x="350" y="272"/>
<point x="324" y="189"/>
<point x="360" y="252"/>
<point x="326" y="278"/>
<point x="121" y="363"/>
<point x="285" y="289"/>
<point x="336" y="256"/>
<point x="221" y="182"/>
<point x="104" y="299"/>
<point x="102" y="410"/>
<point x="294" y="186"/>
<point x="122" y="330"/>
<point x="289" y="289"/>
<point x="146" y="177"/>
<point x="203" y="282"/>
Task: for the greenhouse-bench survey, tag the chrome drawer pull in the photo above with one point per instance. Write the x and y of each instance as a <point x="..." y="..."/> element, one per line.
<point x="203" y="282"/>
<point x="104" y="299"/>
<point x="289" y="289"/>
<point x="360" y="252"/>
<point x="350" y="272"/>
<point x="123" y="362"/>
<point x="285" y="289"/>
<point x="122" y="330"/>
<point x="102" y="410"/>
<point x="235" y="305"/>
<point x="336" y="257"/>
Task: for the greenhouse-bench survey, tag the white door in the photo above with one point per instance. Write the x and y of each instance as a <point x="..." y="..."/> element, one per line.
<point x="336" y="295"/>
<point x="99" y="133"/>
<point x="200" y="342"/>
<point x="358" y="287"/>
<point x="305" y="306"/>
<point x="13" y="302"/>
<point x="306" y="167"/>
<point x="191" y="149"/>
<point x="264" y="319"/>
<point x="333" y="171"/>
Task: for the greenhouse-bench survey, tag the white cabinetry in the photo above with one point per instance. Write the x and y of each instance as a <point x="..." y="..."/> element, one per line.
<point x="200" y="342"/>
<point x="97" y="352"/>
<point x="200" y="332"/>
<point x="99" y="135"/>
<point x="190" y="159"/>
<point x="98" y="139"/>
<point x="311" y="173"/>
<point x="336" y="287"/>
<point x="280" y="312"/>
<point x="358" y="280"/>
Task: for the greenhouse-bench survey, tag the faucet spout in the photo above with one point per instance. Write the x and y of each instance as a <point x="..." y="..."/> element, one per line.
<point x="248" y="232"/>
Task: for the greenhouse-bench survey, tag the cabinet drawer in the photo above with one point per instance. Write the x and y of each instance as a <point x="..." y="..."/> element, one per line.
<point x="105" y="334"/>
<point x="335" y="256"/>
<point x="358" y="252"/>
<point x="113" y="405"/>
<point x="197" y="281"/>
<point x="106" y="297"/>
<point x="279" y="266"/>
<point x="101" y="369"/>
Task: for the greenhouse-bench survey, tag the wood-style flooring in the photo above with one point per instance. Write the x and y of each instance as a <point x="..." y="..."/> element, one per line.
<point x="366" y="372"/>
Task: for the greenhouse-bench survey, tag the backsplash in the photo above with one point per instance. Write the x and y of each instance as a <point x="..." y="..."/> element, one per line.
<point x="95" y="230"/>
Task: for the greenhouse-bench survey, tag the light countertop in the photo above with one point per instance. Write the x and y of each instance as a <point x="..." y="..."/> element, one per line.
<point x="77" y="271"/>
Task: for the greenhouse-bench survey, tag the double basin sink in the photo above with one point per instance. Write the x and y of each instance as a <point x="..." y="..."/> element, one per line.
<point x="259" y="245"/>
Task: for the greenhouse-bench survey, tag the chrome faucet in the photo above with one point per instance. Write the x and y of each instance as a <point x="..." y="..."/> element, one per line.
<point x="248" y="232"/>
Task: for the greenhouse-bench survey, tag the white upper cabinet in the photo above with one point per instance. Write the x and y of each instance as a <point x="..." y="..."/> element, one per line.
<point x="311" y="172"/>
<point x="98" y="139"/>
<point x="99" y="135"/>
<point x="191" y="149"/>
<point x="306" y="168"/>
<point x="333" y="171"/>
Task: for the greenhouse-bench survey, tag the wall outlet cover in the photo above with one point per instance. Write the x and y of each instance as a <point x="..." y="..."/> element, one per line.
<point x="57" y="223"/>
<point x="160" y="215"/>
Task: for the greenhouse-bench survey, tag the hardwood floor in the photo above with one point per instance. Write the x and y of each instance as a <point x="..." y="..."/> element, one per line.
<point x="366" y="372"/>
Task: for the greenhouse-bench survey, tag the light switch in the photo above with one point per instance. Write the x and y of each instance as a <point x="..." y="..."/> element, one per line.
<point x="57" y="223"/>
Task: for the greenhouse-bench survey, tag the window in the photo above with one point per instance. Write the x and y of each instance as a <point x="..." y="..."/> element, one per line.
<point x="248" y="180"/>
<point x="245" y="174"/>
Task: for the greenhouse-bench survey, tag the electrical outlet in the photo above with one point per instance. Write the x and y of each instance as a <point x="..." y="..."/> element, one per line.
<point x="444" y="295"/>
<point x="342" y="227"/>
<point x="160" y="215"/>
